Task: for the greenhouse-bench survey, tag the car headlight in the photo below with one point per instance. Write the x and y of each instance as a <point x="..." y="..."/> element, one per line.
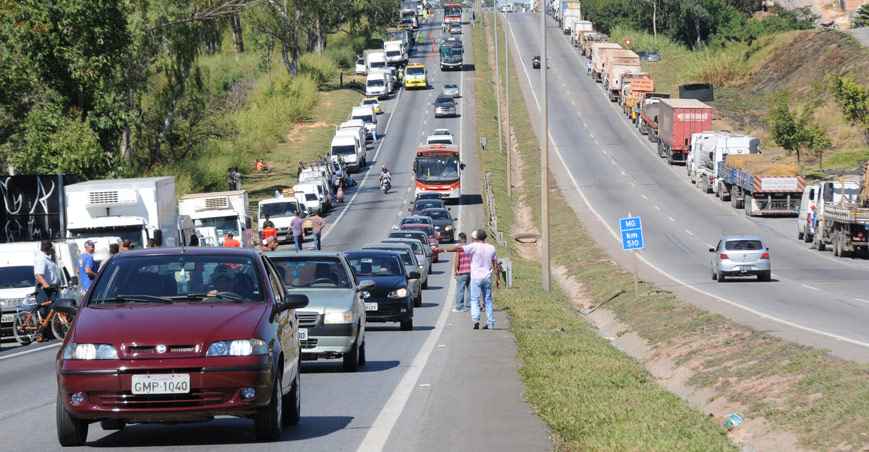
<point x="397" y="293"/>
<point x="89" y="351"/>
<point x="238" y="347"/>
<point x="338" y="317"/>
<point x="448" y="228"/>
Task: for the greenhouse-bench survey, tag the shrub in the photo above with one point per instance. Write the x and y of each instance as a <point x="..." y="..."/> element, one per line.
<point x="343" y="56"/>
<point x="319" y="67"/>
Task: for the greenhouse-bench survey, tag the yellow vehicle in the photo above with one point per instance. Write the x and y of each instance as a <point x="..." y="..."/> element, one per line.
<point x="373" y="102"/>
<point x="415" y="76"/>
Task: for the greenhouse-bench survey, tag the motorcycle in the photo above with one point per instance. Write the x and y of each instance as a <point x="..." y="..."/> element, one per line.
<point x="28" y="321"/>
<point x="385" y="185"/>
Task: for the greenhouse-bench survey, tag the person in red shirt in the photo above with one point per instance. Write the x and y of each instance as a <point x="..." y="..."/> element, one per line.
<point x="463" y="276"/>
<point x="230" y="242"/>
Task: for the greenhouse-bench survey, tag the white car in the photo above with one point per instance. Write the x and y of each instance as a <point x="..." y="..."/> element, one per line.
<point x="361" y="68"/>
<point x="440" y="136"/>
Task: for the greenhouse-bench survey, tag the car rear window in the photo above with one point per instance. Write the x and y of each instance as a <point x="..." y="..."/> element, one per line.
<point x="168" y="278"/>
<point x="311" y="272"/>
<point x="743" y="245"/>
<point x="375" y="265"/>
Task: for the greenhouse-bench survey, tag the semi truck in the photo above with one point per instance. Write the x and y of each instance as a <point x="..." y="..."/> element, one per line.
<point x="616" y="71"/>
<point x="649" y="111"/>
<point x="844" y="222"/>
<point x="580" y="27"/>
<point x="677" y="120"/>
<point x="613" y="57"/>
<point x="598" y="53"/>
<point x="759" y="187"/>
<point x="635" y="88"/>
<point x="216" y="214"/>
<point x="141" y="210"/>
<point x="451" y="54"/>
<point x="586" y="40"/>
<point x="711" y="153"/>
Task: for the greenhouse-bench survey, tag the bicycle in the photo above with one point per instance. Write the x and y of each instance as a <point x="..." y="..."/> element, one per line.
<point x="29" y="322"/>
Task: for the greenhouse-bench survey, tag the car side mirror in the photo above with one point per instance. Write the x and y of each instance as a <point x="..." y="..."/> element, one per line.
<point x="711" y="250"/>
<point x="294" y="301"/>
<point x="413" y="274"/>
<point x="365" y="285"/>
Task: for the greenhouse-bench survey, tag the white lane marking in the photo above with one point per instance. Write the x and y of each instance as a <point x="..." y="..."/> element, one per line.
<point x="368" y="171"/>
<point x="671" y="219"/>
<point x="689" y="232"/>
<point x="673" y="278"/>
<point x="658" y="208"/>
<point x="810" y="287"/>
<point x="35" y="350"/>
<point x="381" y="428"/>
<point x="861" y="300"/>
<point x="644" y="196"/>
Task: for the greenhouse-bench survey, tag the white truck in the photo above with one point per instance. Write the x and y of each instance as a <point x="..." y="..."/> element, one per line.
<point x="580" y="27"/>
<point x="396" y="53"/>
<point x="572" y="13"/>
<point x="692" y="163"/>
<point x="280" y="211"/>
<point x="375" y="59"/>
<point x="712" y="153"/>
<point x="311" y="197"/>
<point x="346" y="146"/>
<point x="376" y="84"/>
<point x="138" y="210"/>
<point x="226" y="212"/>
<point x="368" y="117"/>
<point x="817" y="197"/>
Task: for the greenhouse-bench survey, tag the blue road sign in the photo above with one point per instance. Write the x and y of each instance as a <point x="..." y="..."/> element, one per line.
<point x="631" y="230"/>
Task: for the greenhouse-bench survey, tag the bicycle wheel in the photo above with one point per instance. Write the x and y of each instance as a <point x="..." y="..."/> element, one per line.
<point x="61" y="322"/>
<point x="19" y="329"/>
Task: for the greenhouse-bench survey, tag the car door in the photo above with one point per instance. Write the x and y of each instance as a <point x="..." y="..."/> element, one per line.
<point x="286" y="325"/>
<point x="714" y="261"/>
<point x="358" y="301"/>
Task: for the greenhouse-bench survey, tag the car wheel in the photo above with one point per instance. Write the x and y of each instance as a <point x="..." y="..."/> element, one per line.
<point x="351" y="358"/>
<point x="721" y="277"/>
<point x="407" y="325"/>
<point x="292" y="403"/>
<point x="764" y="276"/>
<point x="425" y="284"/>
<point x="362" y="358"/>
<point x="417" y="302"/>
<point x="71" y="431"/>
<point x="268" y="422"/>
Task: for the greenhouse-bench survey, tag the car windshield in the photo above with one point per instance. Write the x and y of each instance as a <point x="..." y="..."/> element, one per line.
<point x="365" y="118"/>
<point x="221" y="225"/>
<point x="131" y="233"/>
<point x="743" y="245"/>
<point x="440" y="140"/>
<point x="377" y="64"/>
<point x="375" y="82"/>
<point x="429" y="204"/>
<point x="417" y="247"/>
<point x="278" y="209"/>
<point x="437" y="214"/>
<point x="415" y="220"/>
<point x="178" y="278"/>
<point x="375" y="265"/>
<point x="437" y="168"/>
<point x="17" y="277"/>
<point x="444" y="102"/>
<point x="393" y="53"/>
<point x="442" y="132"/>
<point x="310" y="197"/>
<point x="343" y="150"/>
<point x="369" y="102"/>
<point x="415" y="71"/>
<point x="312" y="272"/>
<point x="404" y="254"/>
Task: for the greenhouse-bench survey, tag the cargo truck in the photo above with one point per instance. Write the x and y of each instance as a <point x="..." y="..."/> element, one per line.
<point x="139" y="210"/>
<point x="651" y="107"/>
<point x="580" y="27"/>
<point x="677" y="120"/>
<point x="711" y="153"/>
<point x="33" y="207"/>
<point x="598" y="50"/>
<point x="759" y="188"/>
<point x="396" y="52"/>
<point x="635" y="87"/>
<point x="586" y="40"/>
<point x="816" y="196"/>
<point x="216" y="214"/>
<point x="844" y="223"/>
<point x="612" y="57"/>
<point x="616" y="72"/>
<point x="572" y="14"/>
<point x="451" y="54"/>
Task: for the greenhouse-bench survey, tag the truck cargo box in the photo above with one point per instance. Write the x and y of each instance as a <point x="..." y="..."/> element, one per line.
<point x="677" y="120"/>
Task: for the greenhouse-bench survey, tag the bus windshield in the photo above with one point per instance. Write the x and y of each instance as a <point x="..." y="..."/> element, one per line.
<point x="437" y="168"/>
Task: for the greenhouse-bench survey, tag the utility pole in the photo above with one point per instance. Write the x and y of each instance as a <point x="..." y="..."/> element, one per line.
<point x="544" y="163"/>
<point x="497" y="79"/>
<point x="507" y="110"/>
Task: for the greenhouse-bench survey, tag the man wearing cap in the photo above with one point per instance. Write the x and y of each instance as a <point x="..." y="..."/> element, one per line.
<point x="484" y="263"/>
<point x="86" y="267"/>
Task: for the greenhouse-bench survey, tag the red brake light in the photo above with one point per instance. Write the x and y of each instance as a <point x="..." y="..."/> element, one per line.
<point x="723" y="257"/>
<point x="764" y="256"/>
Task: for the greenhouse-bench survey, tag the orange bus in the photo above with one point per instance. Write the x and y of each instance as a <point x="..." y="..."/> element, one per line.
<point x="453" y="13"/>
<point x="437" y="168"/>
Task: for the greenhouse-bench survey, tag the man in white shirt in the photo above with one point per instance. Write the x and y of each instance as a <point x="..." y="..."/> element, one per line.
<point x="484" y="263"/>
<point x="47" y="276"/>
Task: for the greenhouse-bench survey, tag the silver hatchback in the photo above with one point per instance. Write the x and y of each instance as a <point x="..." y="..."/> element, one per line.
<point x="740" y="255"/>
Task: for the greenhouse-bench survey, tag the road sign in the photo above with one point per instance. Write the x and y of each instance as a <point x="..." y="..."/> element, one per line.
<point x="631" y="231"/>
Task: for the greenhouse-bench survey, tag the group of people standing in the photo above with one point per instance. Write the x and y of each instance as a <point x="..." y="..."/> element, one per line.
<point x="475" y="267"/>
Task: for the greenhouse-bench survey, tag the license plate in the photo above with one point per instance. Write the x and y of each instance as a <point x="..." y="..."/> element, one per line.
<point x="744" y="268"/>
<point x="303" y="334"/>
<point x="161" y="384"/>
<point x="370" y="306"/>
<point x="7" y="318"/>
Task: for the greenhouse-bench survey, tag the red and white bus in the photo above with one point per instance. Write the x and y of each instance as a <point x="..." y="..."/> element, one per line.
<point x="453" y="13"/>
<point x="438" y="169"/>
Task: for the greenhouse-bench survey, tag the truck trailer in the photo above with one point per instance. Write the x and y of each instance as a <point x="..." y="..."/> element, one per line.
<point x="760" y="188"/>
<point x="677" y="120"/>
<point x="598" y="51"/>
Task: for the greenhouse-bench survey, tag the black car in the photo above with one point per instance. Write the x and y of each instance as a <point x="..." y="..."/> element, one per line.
<point x="428" y="195"/>
<point x="535" y="62"/>
<point x="390" y="300"/>
<point x="422" y="204"/>
<point x="443" y="222"/>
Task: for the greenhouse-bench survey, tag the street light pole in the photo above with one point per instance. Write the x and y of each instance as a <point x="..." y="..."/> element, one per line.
<point x="507" y="110"/>
<point x="544" y="163"/>
<point x="497" y="79"/>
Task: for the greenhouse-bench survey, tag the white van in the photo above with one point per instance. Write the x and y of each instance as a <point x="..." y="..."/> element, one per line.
<point x="376" y="84"/>
<point x="355" y="127"/>
<point x="346" y="146"/>
<point x="311" y="196"/>
<point x="375" y="59"/>
<point x="368" y="117"/>
<point x="280" y="211"/>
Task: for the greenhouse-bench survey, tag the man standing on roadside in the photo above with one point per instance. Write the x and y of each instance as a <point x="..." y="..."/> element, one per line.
<point x="484" y="263"/>
<point x="87" y="269"/>
<point x="463" y="274"/>
<point x="296" y="227"/>
<point x="317" y="225"/>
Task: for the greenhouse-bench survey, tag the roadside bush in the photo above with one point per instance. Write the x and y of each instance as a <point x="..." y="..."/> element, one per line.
<point x="853" y="99"/>
<point x="320" y="68"/>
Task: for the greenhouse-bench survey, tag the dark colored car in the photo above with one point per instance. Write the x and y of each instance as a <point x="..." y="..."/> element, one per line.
<point x="181" y="334"/>
<point x="422" y="204"/>
<point x="535" y="62"/>
<point x="430" y="233"/>
<point x="415" y="219"/>
<point x="414" y="234"/>
<point x="428" y="195"/>
<point x="651" y="56"/>
<point x="390" y="300"/>
<point x="442" y="219"/>
<point x="411" y="265"/>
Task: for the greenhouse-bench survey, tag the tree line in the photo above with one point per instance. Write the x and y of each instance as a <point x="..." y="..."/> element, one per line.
<point x="112" y="87"/>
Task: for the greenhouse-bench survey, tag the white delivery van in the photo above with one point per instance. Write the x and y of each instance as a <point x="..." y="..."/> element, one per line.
<point x="355" y="127"/>
<point x="375" y="59"/>
<point x="369" y="119"/>
<point x="376" y="84"/>
<point x="346" y="146"/>
<point x="396" y="53"/>
<point x="310" y="196"/>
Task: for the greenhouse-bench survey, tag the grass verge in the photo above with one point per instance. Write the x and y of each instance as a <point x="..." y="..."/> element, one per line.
<point x="596" y="398"/>
<point x="591" y="395"/>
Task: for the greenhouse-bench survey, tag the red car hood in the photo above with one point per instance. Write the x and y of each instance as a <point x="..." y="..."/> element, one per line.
<point x="179" y="323"/>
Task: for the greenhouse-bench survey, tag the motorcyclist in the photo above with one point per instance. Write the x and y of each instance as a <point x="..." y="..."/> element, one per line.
<point x="385" y="178"/>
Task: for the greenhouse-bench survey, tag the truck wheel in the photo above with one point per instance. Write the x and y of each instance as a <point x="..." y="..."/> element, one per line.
<point x="747" y="201"/>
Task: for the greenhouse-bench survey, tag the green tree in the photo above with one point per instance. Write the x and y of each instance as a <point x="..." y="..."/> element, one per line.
<point x="853" y="99"/>
<point x="785" y="127"/>
<point x="861" y="17"/>
<point x="282" y="21"/>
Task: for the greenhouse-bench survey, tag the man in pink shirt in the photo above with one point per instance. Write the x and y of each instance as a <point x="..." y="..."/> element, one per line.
<point x="484" y="263"/>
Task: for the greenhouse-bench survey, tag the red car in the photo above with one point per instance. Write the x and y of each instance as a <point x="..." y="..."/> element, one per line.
<point x="181" y="334"/>
<point x="433" y="236"/>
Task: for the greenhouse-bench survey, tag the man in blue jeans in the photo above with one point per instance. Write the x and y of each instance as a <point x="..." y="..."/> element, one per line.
<point x="297" y="229"/>
<point x="463" y="275"/>
<point x="484" y="263"/>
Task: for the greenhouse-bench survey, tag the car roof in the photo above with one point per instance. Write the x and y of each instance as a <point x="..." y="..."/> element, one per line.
<point x="392" y="246"/>
<point x="412" y="231"/>
<point x="193" y="251"/>
<point x="373" y="252"/>
<point x="728" y="238"/>
<point x="311" y="253"/>
<point x="444" y="209"/>
<point x="444" y="99"/>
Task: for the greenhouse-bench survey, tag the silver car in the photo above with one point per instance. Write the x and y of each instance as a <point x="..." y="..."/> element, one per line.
<point x="451" y="90"/>
<point x="423" y="256"/>
<point x="333" y="324"/>
<point x="740" y="255"/>
<point x="444" y="106"/>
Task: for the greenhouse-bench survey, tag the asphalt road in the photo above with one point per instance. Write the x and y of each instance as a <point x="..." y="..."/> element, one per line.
<point x="441" y="384"/>
<point x="608" y="170"/>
